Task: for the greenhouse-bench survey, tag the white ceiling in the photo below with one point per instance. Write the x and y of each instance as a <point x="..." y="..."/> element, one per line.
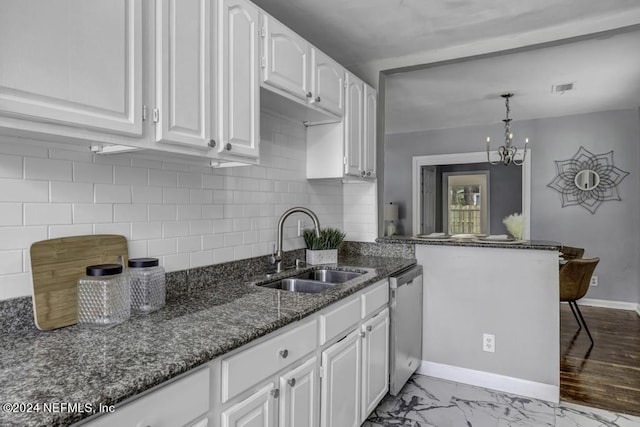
<point x="368" y="36"/>
<point x="605" y="73"/>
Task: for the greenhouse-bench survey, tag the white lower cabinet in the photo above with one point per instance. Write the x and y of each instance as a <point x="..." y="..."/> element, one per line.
<point x="299" y="396"/>
<point x="258" y="410"/>
<point x="340" y="396"/>
<point x="375" y="361"/>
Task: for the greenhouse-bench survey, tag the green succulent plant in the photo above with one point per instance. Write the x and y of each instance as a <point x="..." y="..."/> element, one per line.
<point x="330" y="238"/>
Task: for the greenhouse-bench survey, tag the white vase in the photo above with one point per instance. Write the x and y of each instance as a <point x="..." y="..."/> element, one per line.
<point x="328" y="256"/>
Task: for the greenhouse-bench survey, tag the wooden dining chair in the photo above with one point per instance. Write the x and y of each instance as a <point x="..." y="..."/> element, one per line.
<point x="575" y="277"/>
<point x="569" y="252"/>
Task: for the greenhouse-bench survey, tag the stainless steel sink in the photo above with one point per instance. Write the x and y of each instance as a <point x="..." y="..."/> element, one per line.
<point x="314" y="281"/>
<point x="328" y="275"/>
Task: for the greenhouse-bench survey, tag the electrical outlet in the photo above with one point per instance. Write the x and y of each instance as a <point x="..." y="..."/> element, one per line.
<point x="594" y="281"/>
<point x="301" y="227"/>
<point x="489" y="343"/>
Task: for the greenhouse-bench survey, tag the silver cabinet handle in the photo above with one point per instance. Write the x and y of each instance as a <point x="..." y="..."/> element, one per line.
<point x="369" y="328"/>
<point x="318" y="99"/>
<point x="363" y="334"/>
<point x="309" y="95"/>
<point x="368" y="173"/>
<point x="362" y="173"/>
<point x="284" y="353"/>
<point x="228" y="146"/>
<point x="212" y="143"/>
<point x="291" y="382"/>
<point x="275" y="393"/>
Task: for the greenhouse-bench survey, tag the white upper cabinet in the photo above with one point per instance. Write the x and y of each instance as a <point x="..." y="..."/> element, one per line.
<point x="73" y="63"/>
<point x="327" y="82"/>
<point x="183" y="72"/>
<point x="286" y="63"/>
<point x="354" y="127"/>
<point x="238" y="77"/>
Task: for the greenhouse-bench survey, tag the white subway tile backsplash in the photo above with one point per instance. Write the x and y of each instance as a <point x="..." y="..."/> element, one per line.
<point x="137" y="249"/>
<point x="47" y="169"/>
<point x="190" y="244"/>
<point x="12" y="238"/>
<point x="163" y="178"/>
<point x="146" y="230"/>
<point x="175" y="228"/>
<point x="159" y="247"/>
<point x="111" y="193"/>
<point x="188" y="212"/>
<point x="129" y="213"/>
<point x="47" y="213"/>
<point x="130" y="176"/>
<point x="56" y="231"/>
<point x="18" y="190"/>
<point x="163" y="212"/>
<point x="119" y="228"/>
<point x="10" y="166"/>
<point x="146" y="194"/>
<point x="175" y="195"/>
<point x="201" y="196"/>
<point x="10" y="214"/>
<point x="201" y="258"/>
<point x="91" y="172"/>
<point x="201" y="227"/>
<point x="10" y="262"/>
<point x="175" y="262"/>
<point x="189" y="180"/>
<point x="71" y="192"/>
<point x="86" y="213"/>
<point x="186" y="215"/>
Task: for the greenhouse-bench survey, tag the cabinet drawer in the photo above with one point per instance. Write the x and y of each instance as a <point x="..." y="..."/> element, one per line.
<point x="339" y="320"/>
<point x="250" y="366"/>
<point x="174" y="404"/>
<point x="375" y="298"/>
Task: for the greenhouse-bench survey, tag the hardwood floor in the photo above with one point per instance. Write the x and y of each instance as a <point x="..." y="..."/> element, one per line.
<point x="607" y="375"/>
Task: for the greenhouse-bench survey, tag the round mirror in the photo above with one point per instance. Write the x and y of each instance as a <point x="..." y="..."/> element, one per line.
<point x="587" y="180"/>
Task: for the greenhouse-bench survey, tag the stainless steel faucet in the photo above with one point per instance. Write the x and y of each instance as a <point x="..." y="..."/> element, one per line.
<point x="277" y="257"/>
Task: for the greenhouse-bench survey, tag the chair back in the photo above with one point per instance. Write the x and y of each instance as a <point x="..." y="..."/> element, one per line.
<point x="568" y="252"/>
<point x="575" y="277"/>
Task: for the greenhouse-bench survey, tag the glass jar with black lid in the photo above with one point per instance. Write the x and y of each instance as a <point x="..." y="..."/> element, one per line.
<point x="148" y="289"/>
<point x="104" y="296"/>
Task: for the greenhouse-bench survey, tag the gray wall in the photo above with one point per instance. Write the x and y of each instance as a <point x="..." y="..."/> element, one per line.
<point x="612" y="233"/>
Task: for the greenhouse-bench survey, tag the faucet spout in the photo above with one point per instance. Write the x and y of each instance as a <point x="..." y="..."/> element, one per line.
<point x="316" y="224"/>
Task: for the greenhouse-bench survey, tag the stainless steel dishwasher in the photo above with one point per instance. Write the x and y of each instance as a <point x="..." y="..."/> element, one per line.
<point x="406" y="326"/>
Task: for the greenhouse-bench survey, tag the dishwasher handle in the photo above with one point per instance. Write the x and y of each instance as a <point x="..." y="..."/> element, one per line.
<point x="405" y="277"/>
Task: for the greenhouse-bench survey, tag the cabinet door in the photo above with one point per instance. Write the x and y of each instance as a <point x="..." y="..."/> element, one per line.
<point x="286" y="64"/>
<point x="183" y="72"/>
<point x="257" y="410"/>
<point x="369" y="138"/>
<point x="354" y="128"/>
<point x="375" y="362"/>
<point x="299" y="395"/>
<point x="340" y="396"/>
<point x="239" y="89"/>
<point x="73" y="63"/>
<point x="328" y="83"/>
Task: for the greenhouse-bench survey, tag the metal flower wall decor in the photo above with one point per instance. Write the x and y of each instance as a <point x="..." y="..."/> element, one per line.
<point x="587" y="179"/>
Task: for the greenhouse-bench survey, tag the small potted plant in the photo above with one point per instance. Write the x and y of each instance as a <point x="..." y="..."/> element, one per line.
<point x="323" y="249"/>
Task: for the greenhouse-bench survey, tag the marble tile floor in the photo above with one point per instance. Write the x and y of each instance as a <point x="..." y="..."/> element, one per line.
<point x="432" y="402"/>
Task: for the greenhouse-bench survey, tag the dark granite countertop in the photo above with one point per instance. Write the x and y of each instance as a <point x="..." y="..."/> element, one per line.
<point x="106" y="366"/>
<point x="525" y="244"/>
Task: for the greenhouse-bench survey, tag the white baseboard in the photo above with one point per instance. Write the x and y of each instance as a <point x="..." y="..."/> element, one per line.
<point x="548" y="392"/>
<point x="638" y="309"/>
<point x="619" y="305"/>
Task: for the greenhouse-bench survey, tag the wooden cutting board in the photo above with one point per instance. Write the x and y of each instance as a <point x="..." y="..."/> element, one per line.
<point x="56" y="266"/>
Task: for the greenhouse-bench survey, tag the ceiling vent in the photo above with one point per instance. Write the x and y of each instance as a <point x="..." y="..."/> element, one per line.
<point x="562" y="88"/>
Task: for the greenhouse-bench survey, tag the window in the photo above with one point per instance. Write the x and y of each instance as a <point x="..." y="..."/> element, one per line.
<point x="465" y="202"/>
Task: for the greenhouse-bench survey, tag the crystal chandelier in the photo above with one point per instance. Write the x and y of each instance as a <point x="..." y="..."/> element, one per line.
<point x="507" y="152"/>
